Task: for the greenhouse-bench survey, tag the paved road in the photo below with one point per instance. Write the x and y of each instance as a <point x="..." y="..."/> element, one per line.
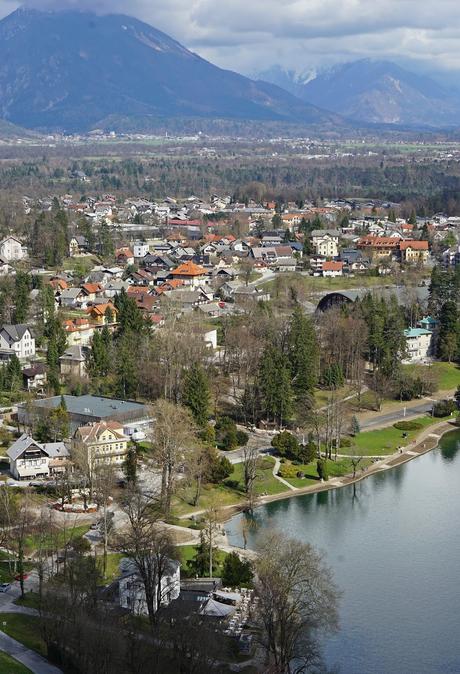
<point x="30" y="659"/>
<point x="380" y="420"/>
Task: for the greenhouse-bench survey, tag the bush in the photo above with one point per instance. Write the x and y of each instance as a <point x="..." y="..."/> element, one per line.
<point x="221" y="469"/>
<point x="236" y="571"/>
<point x="408" y="425"/>
<point x="287" y="471"/>
<point x="286" y="444"/>
<point x="229" y="440"/>
<point x="307" y="452"/>
<point x="444" y="408"/>
<point x="346" y="442"/>
<point x="241" y="438"/>
<point x="232" y="484"/>
<point x="321" y="467"/>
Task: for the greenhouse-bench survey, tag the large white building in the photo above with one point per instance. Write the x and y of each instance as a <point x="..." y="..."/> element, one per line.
<point x="326" y="242"/>
<point x="131" y="589"/>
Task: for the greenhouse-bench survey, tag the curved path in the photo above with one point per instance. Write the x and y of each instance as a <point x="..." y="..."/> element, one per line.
<point x="27" y="657"/>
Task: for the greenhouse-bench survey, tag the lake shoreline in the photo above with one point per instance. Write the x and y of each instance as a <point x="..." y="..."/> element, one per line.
<point x="425" y="442"/>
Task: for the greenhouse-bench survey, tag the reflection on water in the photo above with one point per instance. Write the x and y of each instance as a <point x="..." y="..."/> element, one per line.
<point x="395" y="553"/>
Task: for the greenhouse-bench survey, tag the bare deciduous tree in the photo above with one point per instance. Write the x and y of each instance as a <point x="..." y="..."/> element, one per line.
<point x="296" y="602"/>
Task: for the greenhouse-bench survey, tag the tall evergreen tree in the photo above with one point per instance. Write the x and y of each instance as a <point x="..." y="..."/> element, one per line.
<point x="303" y="354"/>
<point x="196" y="394"/>
<point x="274" y="383"/>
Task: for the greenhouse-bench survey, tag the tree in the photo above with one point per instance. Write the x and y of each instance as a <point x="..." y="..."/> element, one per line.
<point x="303" y="354"/>
<point x="22" y="288"/>
<point x="130" y="465"/>
<point x="173" y="440"/>
<point x="296" y="602"/>
<point x="274" y="382"/>
<point x="250" y="465"/>
<point x="321" y="467"/>
<point x="149" y="546"/>
<point x="355" y="427"/>
<point x="449" y="331"/>
<point x="236" y="571"/>
<point x="286" y="444"/>
<point x="196" y="394"/>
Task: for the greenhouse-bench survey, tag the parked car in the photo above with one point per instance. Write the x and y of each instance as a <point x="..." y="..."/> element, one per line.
<point x="4" y="587"/>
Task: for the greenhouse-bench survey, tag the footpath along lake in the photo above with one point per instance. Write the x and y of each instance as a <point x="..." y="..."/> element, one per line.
<point x="395" y="553"/>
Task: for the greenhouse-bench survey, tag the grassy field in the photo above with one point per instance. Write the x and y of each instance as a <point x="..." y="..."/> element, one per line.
<point x="30" y="599"/>
<point x="60" y="540"/>
<point x="113" y="567"/>
<point x="448" y="374"/>
<point x="188" y="552"/>
<point x="9" y="665"/>
<point x="322" y="396"/>
<point x="387" y="440"/>
<point x="25" y="629"/>
<point x="335" y="469"/>
<point x="223" y="494"/>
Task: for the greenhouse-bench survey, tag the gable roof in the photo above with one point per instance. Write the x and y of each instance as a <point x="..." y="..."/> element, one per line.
<point x="16" y="332"/>
<point x="415" y="245"/>
<point x="21" y="445"/>
<point x="91" y="432"/>
<point x="189" y="269"/>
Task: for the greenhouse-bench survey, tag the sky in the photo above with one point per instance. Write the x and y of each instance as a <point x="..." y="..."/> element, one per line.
<point x="303" y="35"/>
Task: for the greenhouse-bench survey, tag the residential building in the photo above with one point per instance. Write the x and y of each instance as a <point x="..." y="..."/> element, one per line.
<point x="104" y="442"/>
<point x="131" y="588"/>
<point x="34" y="377"/>
<point x="140" y="249"/>
<point x="414" y="251"/>
<point x="326" y="242"/>
<point x="12" y="250"/>
<point x="331" y="268"/>
<point x="19" y="339"/>
<point x="379" y="246"/>
<point x="419" y="344"/>
<point x="191" y="274"/>
<point x="30" y="459"/>
<point x="72" y="363"/>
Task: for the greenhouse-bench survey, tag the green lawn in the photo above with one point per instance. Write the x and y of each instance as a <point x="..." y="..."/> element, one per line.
<point x="188" y="552"/>
<point x="266" y="483"/>
<point x="223" y="494"/>
<point x="31" y="600"/>
<point x="25" y="629"/>
<point x="322" y="396"/>
<point x="9" y="665"/>
<point x="60" y="539"/>
<point x="448" y="374"/>
<point x="387" y="440"/>
<point x="113" y="566"/>
<point x="335" y="469"/>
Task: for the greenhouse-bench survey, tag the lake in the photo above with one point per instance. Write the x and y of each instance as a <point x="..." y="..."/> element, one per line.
<point x="395" y="553"/>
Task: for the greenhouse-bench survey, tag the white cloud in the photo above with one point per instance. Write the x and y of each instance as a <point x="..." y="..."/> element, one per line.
<point x="250" y="36"/>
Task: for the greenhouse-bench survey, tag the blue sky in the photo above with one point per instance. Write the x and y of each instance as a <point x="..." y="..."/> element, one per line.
<point x="299" y="34"/>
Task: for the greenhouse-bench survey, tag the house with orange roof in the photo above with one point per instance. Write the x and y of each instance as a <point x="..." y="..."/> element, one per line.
<point x="91" y="291"/>
<point x="103" y="314"/>
<point x="379" y="246"/>
<point x="331" y="268"/>
<point x="124" y="255"/>
<point x="79" y="331"/>
<point x="191" y="274"/>
<point x="414" y="251"/>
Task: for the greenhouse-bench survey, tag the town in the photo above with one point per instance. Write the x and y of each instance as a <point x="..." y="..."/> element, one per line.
<point x="167" y="363"/>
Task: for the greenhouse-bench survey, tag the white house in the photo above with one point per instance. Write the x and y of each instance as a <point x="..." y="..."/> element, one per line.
<point x="18" y="338"/>
<point x="140" y="249"/>
<point x="30" y="459"/>
<point x="12" y="250"/>
<point x="132" y="592"/>
<point x="326" y="242"/>
<point x="419" y="344"/>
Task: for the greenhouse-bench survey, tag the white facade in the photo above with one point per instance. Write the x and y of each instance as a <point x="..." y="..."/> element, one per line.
<point x="326" y="243"/>
<point x="132" y="593"/>
<point x="140" y="249"/>
<point x="419" y="344"/>
<point x="19" y="339"/>
<point x="12" y="250"/>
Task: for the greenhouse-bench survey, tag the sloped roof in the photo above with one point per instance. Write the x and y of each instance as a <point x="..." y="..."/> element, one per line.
<point x="189" y="269"/>
<point x="16" y="332"/>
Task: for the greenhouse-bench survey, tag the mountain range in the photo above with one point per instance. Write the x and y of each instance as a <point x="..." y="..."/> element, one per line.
<point x="372" y="91"/>
<point x="73" y="71"/>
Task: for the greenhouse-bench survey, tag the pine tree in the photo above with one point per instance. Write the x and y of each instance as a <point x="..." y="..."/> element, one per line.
<point x="196" y="394"/>
<point x="274" y="383"/>
<point x="303" y="354"/>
